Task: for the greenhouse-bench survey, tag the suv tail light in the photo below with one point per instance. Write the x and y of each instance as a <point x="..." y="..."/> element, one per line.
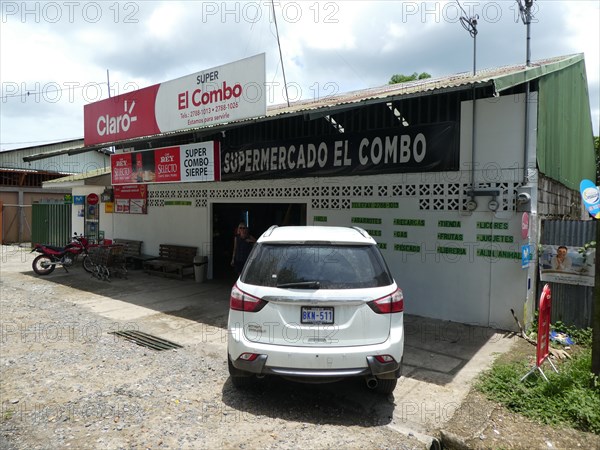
<point x="240" y="301"/>
<point x="392" y="303"/>
<point x="248" y="356"/>
<point x="384" y="359"/>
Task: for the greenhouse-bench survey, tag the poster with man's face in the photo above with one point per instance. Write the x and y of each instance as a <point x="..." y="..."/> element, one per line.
<point x="568" y="265"/>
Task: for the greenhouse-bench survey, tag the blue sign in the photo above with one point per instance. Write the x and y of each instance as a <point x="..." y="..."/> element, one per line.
<point x="525" y="256"/>
<point x="591" y="197"/>
<point x="79" y="200"/>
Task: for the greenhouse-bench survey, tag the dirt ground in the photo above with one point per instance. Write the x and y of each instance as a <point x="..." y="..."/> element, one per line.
<point x="66" y="382"/>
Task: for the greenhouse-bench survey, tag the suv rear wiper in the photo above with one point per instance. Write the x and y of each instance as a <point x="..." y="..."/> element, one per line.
<point x="301" y="284"/>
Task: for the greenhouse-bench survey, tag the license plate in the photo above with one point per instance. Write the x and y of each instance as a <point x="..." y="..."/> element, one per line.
<point x="317" y="315"/>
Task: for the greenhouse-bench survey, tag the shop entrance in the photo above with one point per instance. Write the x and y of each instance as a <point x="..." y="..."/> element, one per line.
<point x="258" y="216"/>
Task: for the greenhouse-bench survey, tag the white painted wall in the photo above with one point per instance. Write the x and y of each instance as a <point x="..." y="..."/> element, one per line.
<point x="180" y="225"/>
<point x="500" y="137"/>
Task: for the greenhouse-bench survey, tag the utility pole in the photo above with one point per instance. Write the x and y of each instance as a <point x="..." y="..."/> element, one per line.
<point x="470" y="24"/>
<point x="596" y="309"/>
<point x="525" y="12"/>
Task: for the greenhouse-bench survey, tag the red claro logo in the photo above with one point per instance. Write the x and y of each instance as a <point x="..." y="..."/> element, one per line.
<point x="109" y="125"/>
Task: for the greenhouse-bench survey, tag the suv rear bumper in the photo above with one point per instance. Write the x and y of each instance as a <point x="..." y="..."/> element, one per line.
<point x="319" y="362"/>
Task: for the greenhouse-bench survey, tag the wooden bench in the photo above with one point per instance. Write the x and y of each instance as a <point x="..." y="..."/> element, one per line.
<point x="175" y="261"/>
<point x="133" y="252"/>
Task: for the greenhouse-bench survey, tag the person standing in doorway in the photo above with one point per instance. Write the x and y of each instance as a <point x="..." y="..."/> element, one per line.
<point x="242" y="244"/>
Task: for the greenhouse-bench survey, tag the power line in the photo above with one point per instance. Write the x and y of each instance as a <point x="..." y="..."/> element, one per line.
<point x="29" y="93"/>
<point x="287" y="97"/>
<point x="38" y="142"/>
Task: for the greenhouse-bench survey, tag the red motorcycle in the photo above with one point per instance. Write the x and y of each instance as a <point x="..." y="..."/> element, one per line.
<point x="51" y="256"/>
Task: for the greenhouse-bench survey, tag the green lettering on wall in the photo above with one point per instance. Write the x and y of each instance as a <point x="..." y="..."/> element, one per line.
<point x="504" y="254"/>
<point x="407" y="248"/>
<point x="450" y="236"/>
<point x="452" y="250"/>
<point x="320" y="219"/>
<point x="374" y="204"/>
<point x="498" y="239"/>
<point x="382" y="245"/>
<point x="178" y="203"/>
<point x="370" y="220"/>
<point x="374" y="232"/>
<point x="492" y="225"/>
<point x="401" y="234"/>
<point x="410" y="222"/>
<point x="449" y="223"/>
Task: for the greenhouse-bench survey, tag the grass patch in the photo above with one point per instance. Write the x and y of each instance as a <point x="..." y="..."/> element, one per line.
<point x="8" y="414"/>
<point x="571" y="398"/>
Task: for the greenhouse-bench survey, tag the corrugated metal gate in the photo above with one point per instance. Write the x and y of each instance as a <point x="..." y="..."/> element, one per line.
<point x="571" y="304"/>
<point x="15" y="226"/>
<point x="51" y="224"/>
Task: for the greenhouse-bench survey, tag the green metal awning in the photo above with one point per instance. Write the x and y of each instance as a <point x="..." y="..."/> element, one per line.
<point x="503" y="82"/>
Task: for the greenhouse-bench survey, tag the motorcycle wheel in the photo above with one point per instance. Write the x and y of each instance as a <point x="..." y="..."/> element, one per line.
<point x="42" y="265"/>
<point x="88" y="265"/>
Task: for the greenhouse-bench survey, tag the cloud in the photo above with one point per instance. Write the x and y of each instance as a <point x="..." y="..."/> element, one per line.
<point x="327" y="47"/>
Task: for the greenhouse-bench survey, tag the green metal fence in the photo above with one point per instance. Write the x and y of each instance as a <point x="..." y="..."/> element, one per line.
<point x="51" y="224"/>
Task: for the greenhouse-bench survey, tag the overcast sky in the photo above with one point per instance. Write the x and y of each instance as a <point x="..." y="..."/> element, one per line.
<point x="54" y="56"/>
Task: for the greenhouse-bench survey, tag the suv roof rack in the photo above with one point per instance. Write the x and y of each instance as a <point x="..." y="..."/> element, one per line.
<point x="362" y="232"/>
<point x="270" y="230"/>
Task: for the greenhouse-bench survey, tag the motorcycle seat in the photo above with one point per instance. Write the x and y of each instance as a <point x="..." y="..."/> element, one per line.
<point x="55" y="248"/>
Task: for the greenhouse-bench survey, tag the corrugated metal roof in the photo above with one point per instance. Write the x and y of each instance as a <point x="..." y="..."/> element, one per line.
<point x="79" y="177"/>
<point x="56" y="158"/>
<point x="501" y="77"/>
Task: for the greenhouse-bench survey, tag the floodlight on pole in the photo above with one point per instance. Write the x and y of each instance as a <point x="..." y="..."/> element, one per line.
<point x="470" y="24"/>
<point x="525" y="13"/>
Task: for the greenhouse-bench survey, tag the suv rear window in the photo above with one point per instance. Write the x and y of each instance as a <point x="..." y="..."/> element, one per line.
<point x="331" y="266"/>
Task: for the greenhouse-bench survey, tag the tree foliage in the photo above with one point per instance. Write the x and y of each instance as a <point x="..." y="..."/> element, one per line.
<point x="401" y="78"/>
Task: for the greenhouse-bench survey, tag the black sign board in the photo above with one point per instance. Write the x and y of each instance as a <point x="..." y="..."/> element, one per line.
<point x="425" y="148"/>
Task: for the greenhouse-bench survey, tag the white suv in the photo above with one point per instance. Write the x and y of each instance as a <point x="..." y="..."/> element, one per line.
<point x="316" y="304"/>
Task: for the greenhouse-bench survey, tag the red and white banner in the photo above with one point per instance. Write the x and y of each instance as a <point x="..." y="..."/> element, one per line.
<point x="131" y="199"/>
<point x="222" y="94"/>
<point x="543" y="337"/>
<point x="184" y="163"/>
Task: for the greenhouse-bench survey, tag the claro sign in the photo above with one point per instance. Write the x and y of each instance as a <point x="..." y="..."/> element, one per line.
<point x="222" y="94"/>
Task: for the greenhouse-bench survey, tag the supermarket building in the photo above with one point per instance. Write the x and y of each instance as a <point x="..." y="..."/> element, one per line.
<point x="457" y="223"/>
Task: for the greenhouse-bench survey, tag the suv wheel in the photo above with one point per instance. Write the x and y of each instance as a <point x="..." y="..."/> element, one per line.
<point x="239" y="378"/>
<point x="386" y="386"/>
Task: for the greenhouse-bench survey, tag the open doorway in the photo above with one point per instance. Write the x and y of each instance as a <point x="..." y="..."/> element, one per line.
<point x="258" y="216"/>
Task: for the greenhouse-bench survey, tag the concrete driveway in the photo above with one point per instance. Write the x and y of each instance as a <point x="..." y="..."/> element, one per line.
<point x="441" y="358"/>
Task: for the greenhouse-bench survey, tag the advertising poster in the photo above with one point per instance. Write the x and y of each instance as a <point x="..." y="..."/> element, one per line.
<point x="591" y="197"/>
<point x="196" y="162"/>
<point x="131" y="199"/>
<point x="564" y="264"/>
<point x="221" y="94"/>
